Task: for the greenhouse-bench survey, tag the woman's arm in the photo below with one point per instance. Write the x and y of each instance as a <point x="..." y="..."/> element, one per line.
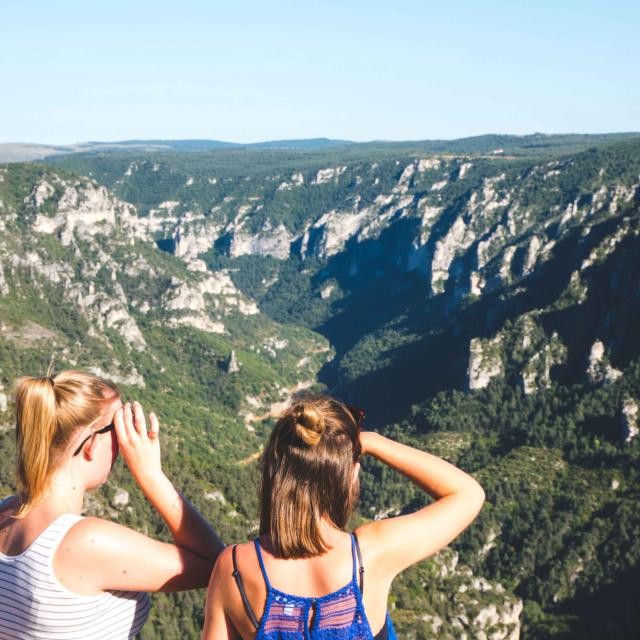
<point x="141" y="451"/>
<point x="98" y="555"/>
<point x="396" y="543"/>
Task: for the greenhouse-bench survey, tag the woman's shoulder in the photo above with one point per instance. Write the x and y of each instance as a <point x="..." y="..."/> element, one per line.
<point x="237" y="561"/>
<point x="373" y="541"/>
<point x="90" y="534"/>
<point x="236" y="555"/>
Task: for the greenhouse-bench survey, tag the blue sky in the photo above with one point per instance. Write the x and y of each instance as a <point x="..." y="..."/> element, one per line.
<point x="72" y="71"/>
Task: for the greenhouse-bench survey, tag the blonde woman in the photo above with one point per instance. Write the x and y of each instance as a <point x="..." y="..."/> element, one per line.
<point x="305" y="577"/>
<point x="67" y="576"/>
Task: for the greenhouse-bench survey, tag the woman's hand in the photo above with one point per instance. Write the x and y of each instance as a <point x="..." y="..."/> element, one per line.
<point x="141" y="451"/>
<point x="139" y="448"/>
<point x="365" y="441"/>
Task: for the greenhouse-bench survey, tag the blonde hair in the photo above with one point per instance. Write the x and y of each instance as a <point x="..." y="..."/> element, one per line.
<point x="307" y="475"/>
<point x="48" y="412"/>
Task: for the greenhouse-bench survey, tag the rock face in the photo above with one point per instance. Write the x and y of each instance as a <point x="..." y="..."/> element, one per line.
<point x="84" y="209"/>
<point x="457" y="239"/>
<point x="4" y="287"/>
<point x="132" y="378"/>
<point x="89" y="265"/>
<point x="233" y="366"/>
<point x="330" y="232"/>
<point x="629" y="419"/>
<point x="475" y="607"/>
<point x="598" y="368"/>
<point x="270" y="241"/>
<point x="329" y="174"/>
<point x="485" y="362"/>
<point x="536" y="374"/>
<point x="120" y="498"/>
<point x="193" y="302"/>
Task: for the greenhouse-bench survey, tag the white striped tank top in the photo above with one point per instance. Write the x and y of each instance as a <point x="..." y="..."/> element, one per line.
<point x="34" y="605"/>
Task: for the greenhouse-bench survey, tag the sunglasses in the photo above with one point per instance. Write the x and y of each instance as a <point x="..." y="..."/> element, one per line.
<point x="358" y="415"/>
<point x="109" y="427"/>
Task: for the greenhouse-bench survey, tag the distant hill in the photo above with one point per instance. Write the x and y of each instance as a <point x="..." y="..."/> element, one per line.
<point x="535" y="144"/>
<point x="25" y="152"/>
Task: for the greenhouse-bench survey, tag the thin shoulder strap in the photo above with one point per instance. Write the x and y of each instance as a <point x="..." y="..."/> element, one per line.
<point x="256" y="542"/>
<point x="243" y="595"/>
<point x="356" y="545"/>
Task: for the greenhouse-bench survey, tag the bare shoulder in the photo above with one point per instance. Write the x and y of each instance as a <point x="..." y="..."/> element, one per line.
<point x="235" y="555"/>
<point x="224" y="563"/>
<point x="373" y="541"/>
<point x="99" y="555"/>
<point x="223" y="583"/>
<point x="92" y="532"/>
<point x="370" y="536"/>
<point x="90" y="540"/>
<point x="222" y="608"/>
<point x="221" y="577"/>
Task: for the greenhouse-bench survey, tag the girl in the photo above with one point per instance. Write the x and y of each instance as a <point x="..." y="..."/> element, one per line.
<point x="305" y="577"/>
<point x="67" y="576"/>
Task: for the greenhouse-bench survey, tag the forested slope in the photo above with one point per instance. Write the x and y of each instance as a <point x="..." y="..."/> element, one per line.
<point x="482" y="305"/>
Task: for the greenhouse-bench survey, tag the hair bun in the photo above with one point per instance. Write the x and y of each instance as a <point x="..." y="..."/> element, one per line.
<point x="309" y="423"/>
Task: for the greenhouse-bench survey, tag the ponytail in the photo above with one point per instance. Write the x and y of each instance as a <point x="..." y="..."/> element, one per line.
<point x="35" y="432"/>
<point x="48" y="412"/>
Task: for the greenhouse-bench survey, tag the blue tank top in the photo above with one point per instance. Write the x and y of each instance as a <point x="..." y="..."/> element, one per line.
<point x="337" y="616"/>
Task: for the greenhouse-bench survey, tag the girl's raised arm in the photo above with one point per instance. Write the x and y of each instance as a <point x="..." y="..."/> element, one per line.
<point x="108" y="556"/>
<point x="397" y="543"/>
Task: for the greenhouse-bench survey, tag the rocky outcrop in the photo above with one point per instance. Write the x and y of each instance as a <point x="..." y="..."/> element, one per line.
<point x="120" y="498"/>
<point x="599" y="370"/>
<point x="462" y="605"/>
<point x="327" y="175"/>
<point x="215" y="496"/>
<point x="269" y="241"/>
<point x="296" y="180"/>
<point x="85" y="209"/>
<point x="106" y="310"/>
<point x="132" y="378"/>
<point x="605" y="248"/>
<point x="536" y="374"/>
<point x="326" y="291"/>
<point x="191" y="302"/>
<point x="4" y="287"/>
<point x="193" y="236"/>
<point x="485" y="362"/>
<point x="456" y="240"/>
<point x="465" y="167"/>
<point x="533" y="250"/>
<point x="233" y="366"/>
<point x="330" y="232"/>
<point x="629" y="416"/>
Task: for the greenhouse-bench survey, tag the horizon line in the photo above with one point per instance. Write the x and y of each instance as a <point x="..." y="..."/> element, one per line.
<point x="159" y="140"/>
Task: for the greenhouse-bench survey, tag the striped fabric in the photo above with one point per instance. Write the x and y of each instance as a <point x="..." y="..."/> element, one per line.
<point x="34" y="605"/>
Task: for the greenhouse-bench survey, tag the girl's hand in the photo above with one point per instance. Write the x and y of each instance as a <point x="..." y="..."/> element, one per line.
<point x="139" y="448"/>
<point x="365" y="441"/>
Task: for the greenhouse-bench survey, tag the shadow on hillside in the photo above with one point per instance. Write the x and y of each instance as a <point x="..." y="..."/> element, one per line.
<point x="387" y="302"/>
<point x="610" y="613"/>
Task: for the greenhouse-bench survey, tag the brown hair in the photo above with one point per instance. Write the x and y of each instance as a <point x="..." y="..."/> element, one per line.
<point x="307" y="475"/>
<point x="48" y="411"/>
